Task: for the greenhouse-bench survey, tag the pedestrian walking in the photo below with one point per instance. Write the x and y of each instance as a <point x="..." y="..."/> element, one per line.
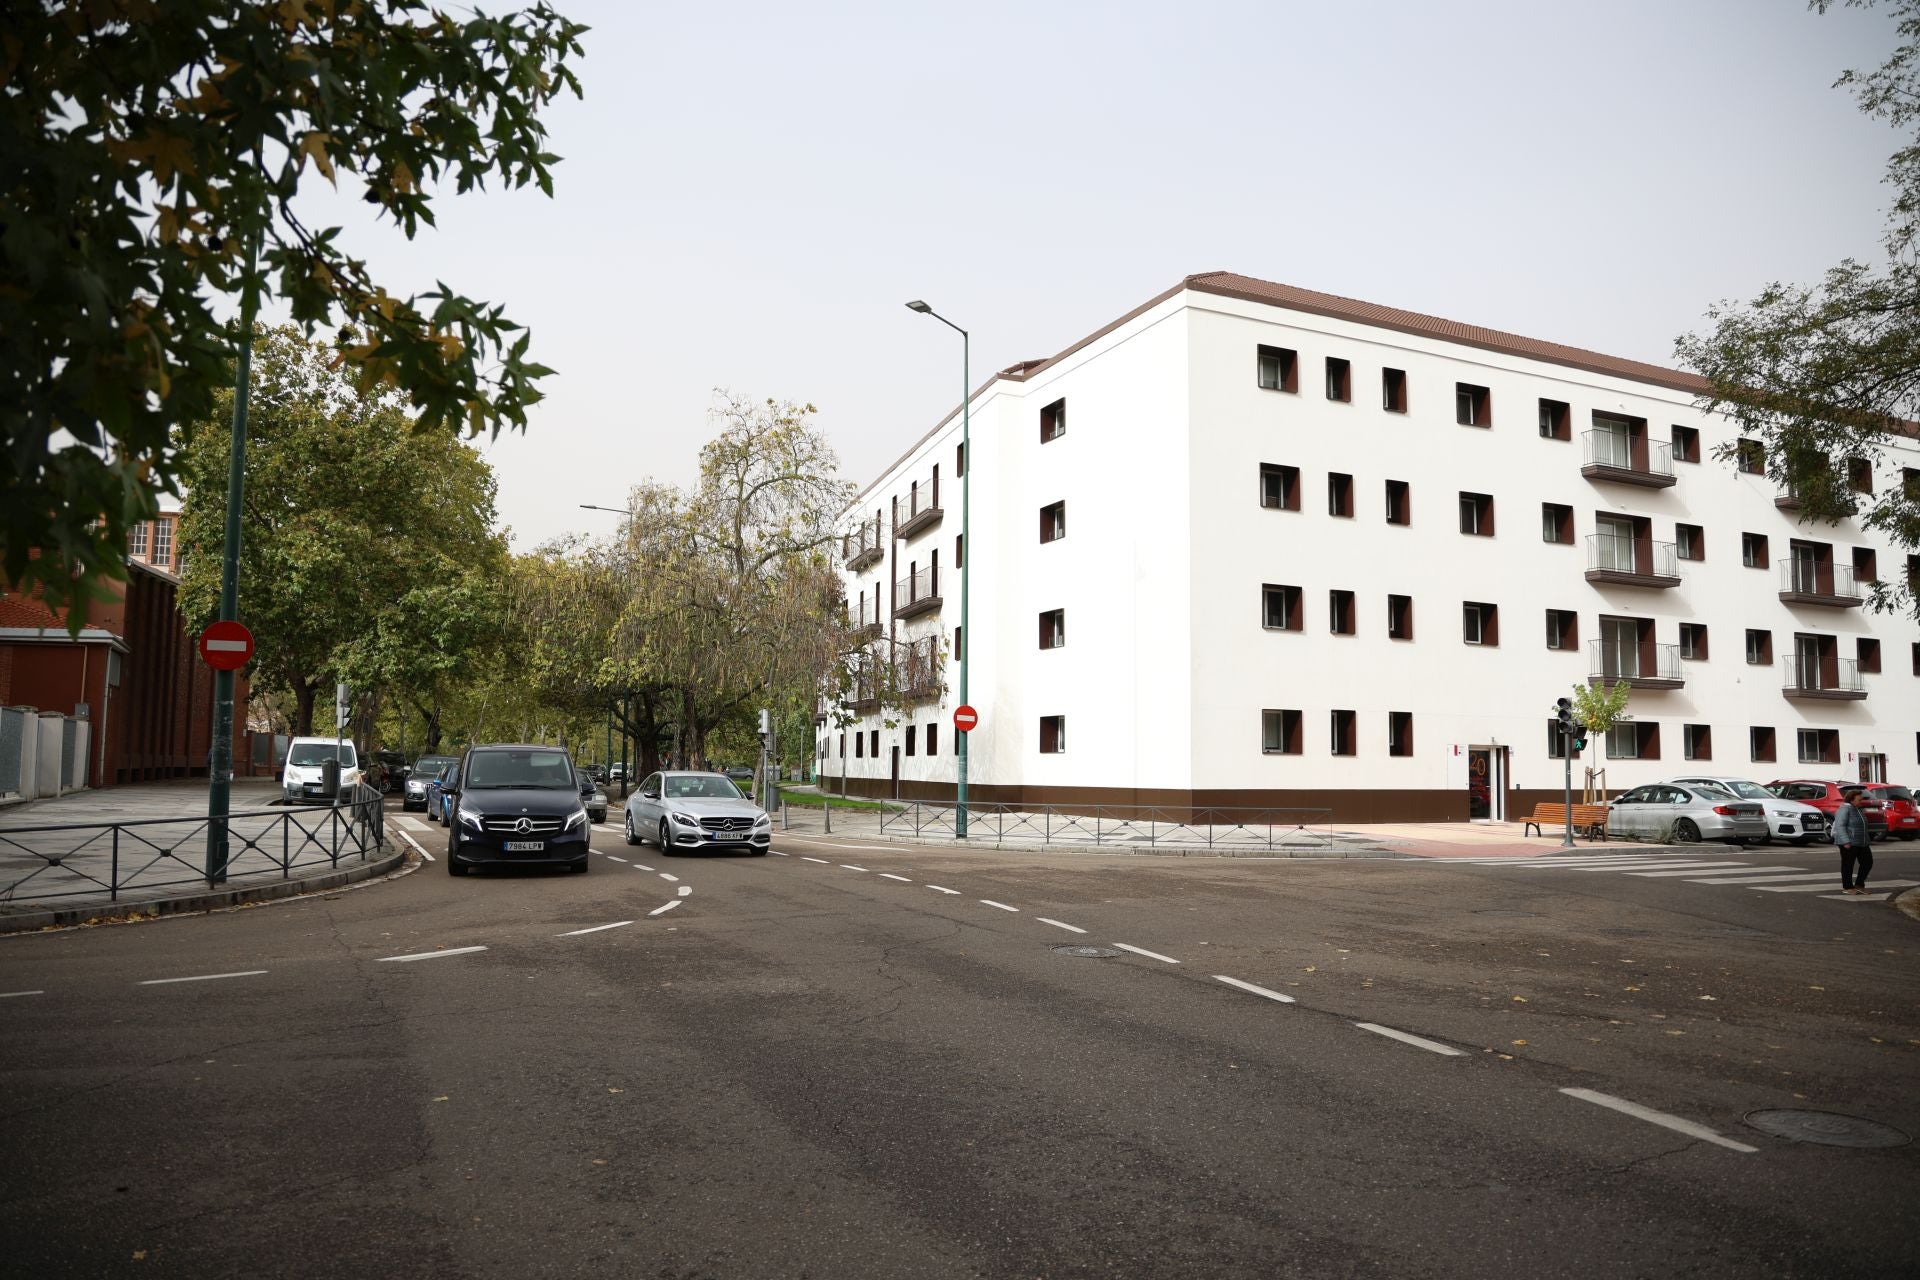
<point x="1850" y="833"/>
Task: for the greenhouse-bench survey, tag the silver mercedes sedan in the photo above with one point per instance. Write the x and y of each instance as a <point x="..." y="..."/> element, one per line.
<point x="686" y="810"/>
<point x="1676" y="813"/>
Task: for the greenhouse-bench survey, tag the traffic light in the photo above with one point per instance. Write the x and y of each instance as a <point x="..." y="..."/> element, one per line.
<point x="1579" y="737"/>
<point x="1564" y="708"/>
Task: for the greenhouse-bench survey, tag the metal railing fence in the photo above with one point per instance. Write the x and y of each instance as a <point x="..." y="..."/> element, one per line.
<point x="111" y="858"/>
<point x="1134" y="826"/>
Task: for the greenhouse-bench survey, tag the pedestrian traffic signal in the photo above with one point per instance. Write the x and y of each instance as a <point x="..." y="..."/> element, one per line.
<point x="1579" y="741"/>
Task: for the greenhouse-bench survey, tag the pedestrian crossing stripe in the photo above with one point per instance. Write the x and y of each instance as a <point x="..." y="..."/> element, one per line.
<point x="1713" y="871"/>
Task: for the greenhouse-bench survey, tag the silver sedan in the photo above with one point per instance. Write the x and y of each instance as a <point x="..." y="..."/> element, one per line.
<point x="1672" y="813"/>
<point x="687" y="810"/>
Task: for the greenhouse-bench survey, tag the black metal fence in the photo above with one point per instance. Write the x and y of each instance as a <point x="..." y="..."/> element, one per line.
<point x="1133" y="826"/>
<point x="108" y="859"/>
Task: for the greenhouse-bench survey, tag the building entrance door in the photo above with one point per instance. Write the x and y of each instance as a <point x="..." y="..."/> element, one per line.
<point x="895" y="793"/>
<point x="1873" y="767"/>
<point x="1486" y="784"/>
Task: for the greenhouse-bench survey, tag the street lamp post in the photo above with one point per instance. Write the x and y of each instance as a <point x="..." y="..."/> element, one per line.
<point x="966" y="550"/>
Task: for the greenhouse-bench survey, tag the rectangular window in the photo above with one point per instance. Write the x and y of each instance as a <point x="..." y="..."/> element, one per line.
<point x="1340" y="612"/>
<point x="959" y="652"/>
<point x="1339" y="494"/>
<point x="1916" y="658"/>
<point x="1819" y="746"/>
<point x="137" y="540"/>
<point x="1556" y="420"/>
<point x="843" y="746"/>
<point x="1053" y="421"/>
<point x="1344" y="735"/>
<point x="1556" y="522"/>
<point x="1759" y="648"/>
<point x="1563" y="629"/>
<point x="1686" y="444"/>
<point x="1480" y="623"/>
<point x="1399" y="502"/>
<point x="1556" y="741"/>
<point x="959" y="460"/>
<point x="1400" y="623"/>
<point x="859" y="746"/>
<point x="1393" y="390"/>
<point x="873" y="743"/>
<point x="1760" y="744"/>
<point x="1859" y="475"/>
<point x="1053" y="629"/>
<point x="1278" y="369"/>
<point x="911" y="735"/>
<point x="1339" y="379"/>
<point x="1866" y="565"/>
<point x="1693" y="641"/>
<point x="1696" y="741"/>
<point x="1868" y="655"/>
<point x="1753" y="550"/>
<point x="163" y="542"/>
<point x="1053" y="522"/>
<point x="1472" y="406"/>
<point x="933" y="738"/>
<point x="1280" y="733"/>
<point x="1053" y="734"/>
<point x="1476" y="514"/>
<point x="959" y="550"/>
<point x="1279" y="487"/>
<point x="1751" y="457"/>
<point x="1399" y="733"/>
<point x="1638" y="740"/>
<point x="1689" y="542"/>
<point x="1280" y="608"/>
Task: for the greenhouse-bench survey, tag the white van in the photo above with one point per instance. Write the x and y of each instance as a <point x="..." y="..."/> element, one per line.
<point x="300" y="781"/>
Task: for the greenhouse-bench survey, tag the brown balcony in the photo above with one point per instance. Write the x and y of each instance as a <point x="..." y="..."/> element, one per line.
<point x="918" y="668"/>
<point x="1623" y="459"/>
<point x="917" y="593"/>
<point x="1631" y="562"/>
<point x="921" y="510"/>
<point x="1643" y="666"/>
<point x="863" y="546"/>
<point x="1818" y="582"/>
<point x="1824" y="679"/>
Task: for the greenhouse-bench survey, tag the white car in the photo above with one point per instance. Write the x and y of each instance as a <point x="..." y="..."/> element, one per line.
<point x="1786" y="819"/>
<point x="687" y="810"/>
<point x="300" y="780"/>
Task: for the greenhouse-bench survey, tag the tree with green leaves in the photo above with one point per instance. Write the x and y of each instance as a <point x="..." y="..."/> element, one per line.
<point x="1599" y="708"/>
<point x="1824" y="377"/>
<point x="152" y="157"/>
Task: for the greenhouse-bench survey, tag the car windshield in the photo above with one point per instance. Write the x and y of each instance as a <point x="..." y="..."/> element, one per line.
<point x="702" y="786"/>
<point x="431" y="764"/>
<point x="1746" y="790"/>
<point x="1895" y="793"/>
<point x="306" y="755"/>
<point x="539" y="770"/>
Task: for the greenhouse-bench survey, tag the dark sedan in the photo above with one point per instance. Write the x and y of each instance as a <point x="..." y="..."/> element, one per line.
<point x="517" y="806"/>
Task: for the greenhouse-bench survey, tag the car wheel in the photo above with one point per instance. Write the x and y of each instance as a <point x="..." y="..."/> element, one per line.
<point x="666" y="840"/>
<point x="1684" y="832"/>
<point x="633" y="837"/>
<point x="580" y="868"/>
<point x="453" y="866"/>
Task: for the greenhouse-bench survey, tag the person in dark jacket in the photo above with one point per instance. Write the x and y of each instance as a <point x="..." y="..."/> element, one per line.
<point x="1850" y="833"/>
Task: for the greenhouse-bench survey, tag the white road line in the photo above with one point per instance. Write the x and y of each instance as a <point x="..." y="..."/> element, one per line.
<point x="1660" y="1118"/>
<point x="660" y="911"/>
<point x="1815" y="888"/>
<point x="1060" y="924"/>
<point x="684" y="890"/>
<point x="1248" y="986"/>
<point x="617" y="924"/>
<point x="1860" y="897"/>
<point x="1777" y="877"/>
<point x="846" y="866"/>
<point x="412" y="824"/>
<point x="616" y="859"/>
<point x="822" y="861"/>
<point x="1589" y="860"/>
<point x="669" y="876"/>
<point x="1656" y="875"/>
<point x="640" y="867"/>
<point x="430" y="955"/>
<point x="1418" y="1042"/>
<point x="776" y="853"/>
<point x="1701" y="865"/>
<point x="937" y="889"/>
<point x="888" y="875"/>
<point x="416" y="847"/>
<point x="1003" y="906"/>
<point x="201" y="977"/>
<point x="8" y="995"/>
<point x="1141" y="951"/>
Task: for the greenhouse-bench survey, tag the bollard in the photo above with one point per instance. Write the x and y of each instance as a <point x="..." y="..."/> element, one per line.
<point x="786" y="822"/>
<point x="826" y="809"/>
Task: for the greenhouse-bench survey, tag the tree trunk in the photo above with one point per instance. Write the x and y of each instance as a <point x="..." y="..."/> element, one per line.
<point x="433" y="730"/>
<point x="303" y="691"/>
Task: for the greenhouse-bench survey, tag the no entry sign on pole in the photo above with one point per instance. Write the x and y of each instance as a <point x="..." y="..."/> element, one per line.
<point x="965" y="718"/>
<point x="226" y="646"/>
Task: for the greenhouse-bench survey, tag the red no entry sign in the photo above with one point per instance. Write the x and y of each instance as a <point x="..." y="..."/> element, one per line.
<point x="226" y="646"/>
<point x="965" y="718"/>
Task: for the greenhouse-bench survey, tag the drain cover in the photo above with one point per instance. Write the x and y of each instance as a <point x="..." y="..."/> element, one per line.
<point x="1504" y="911"/>
<point x="1085" y="952"/>
<point x="1828" y="1128"/>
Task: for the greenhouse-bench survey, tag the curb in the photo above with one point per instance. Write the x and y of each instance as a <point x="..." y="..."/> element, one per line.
<point x="1908" y="904"/>
<point x="64" y="917"/>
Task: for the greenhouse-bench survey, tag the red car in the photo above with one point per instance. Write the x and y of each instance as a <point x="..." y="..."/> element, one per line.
<point x="1903" y="815"/>
<point x="1825" y="796"/>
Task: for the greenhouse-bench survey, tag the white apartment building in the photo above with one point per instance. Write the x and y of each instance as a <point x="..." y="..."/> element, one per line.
<point x="1251" y="545"/>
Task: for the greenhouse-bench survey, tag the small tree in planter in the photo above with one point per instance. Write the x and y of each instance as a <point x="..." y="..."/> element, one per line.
<point x="1598" y="707"/>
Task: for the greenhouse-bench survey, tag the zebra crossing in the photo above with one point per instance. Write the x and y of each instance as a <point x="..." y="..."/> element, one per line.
<point x="1732" y="871"/>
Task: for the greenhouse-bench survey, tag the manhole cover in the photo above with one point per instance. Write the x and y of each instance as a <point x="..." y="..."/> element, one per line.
<point x="1503" y="911"/>
<point x="1828" y="1128"/>
<point x="1085" y="952"/>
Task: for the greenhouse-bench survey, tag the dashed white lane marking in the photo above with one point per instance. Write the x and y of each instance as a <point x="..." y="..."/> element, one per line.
<point x="669" y="876"/>
<point x="847" y="866"/>
<point x="617" y="924"/>
<point x="1142" y="951"/>
<point x="1060" y="924"/>
<point x="637" y="866"/>
<point x="888" y="875"/>
<point x="201" y="977"/>
<point x="660" y="911"/>
<point x="776" y="853"/>
<point x="8" y="995"/>
<point x="937" y="889"/>
<point x="822" y="861"/>
<point x="684" y="890"/>
<point x="1730" y="866"/>
<point x="1258" y="991"/>
<point x="1660" y="1118"/>
<point x="430" y="955"/>
<point x="616" y="859"/>
<point x="1003" y="906"/>
<point x="1779" y="877"/>
<point x="1418" y="1042"/>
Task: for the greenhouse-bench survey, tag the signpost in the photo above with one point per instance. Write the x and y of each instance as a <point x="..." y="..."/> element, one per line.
<point x="965" y="718"/>
<point x="226" y="646"/>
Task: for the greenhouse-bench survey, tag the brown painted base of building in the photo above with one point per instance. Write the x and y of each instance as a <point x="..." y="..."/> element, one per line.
<point x="1303" y="806"/>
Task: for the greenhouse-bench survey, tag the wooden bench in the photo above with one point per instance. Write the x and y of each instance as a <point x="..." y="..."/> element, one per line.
<point x="1589" y="820"/>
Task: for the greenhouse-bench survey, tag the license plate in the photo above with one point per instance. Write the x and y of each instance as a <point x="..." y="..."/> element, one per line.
<point x="524" y="846"/>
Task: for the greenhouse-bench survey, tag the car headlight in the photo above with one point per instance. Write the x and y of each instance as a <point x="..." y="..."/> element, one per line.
<point x="578" y="818"/>
<point x="684" y="820"/>
<point x="762" y="821"/>
<point x="471" y="819"/>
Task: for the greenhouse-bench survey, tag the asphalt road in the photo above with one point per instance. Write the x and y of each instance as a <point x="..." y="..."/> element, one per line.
<point x="855" y="1061"/>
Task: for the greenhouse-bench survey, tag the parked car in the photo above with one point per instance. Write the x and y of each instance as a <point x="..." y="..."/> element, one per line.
<point x="1676" y="813"/>
<point x="439" y="790"/>
<point x="300" y="780"/>
<point x="593" y="797"/>
<point x="739" y="772"/>
<point x="1903" y="815"/>
<point x="1786" y="819"/>
<point x="393" y="769"/>
<point x="1825" y="796"/>
<point x="419" y="778"/>
<point x="687" y="810"/>
<point x="517" y="805"/>
<point x="616" y="773"/>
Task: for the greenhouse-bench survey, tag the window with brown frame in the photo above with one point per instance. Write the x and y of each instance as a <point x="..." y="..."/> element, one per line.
<point x="1693" y="641"/>
<point x="1866" y="565"/>
<point x="1818" y="746"/>
<point x="1339" y="379"/>
<point x="1280" y="733"/>
<point x="1868" y="655"/>
<point x="1689" y="542"/>
<point x="859" y="746"/>
<point x="1400" y="623"/>
<point x="912" y="735"/>
<point x="1399" y="733"/>
<point x="1556" y="522"/>
<point x="1053" y="522"/>
<point x="1760" y="746"/>
<point x="843" y="746"/>
<point x="1751" y="456"/>
<point x="1472" y="406"/>
<point x="1053" y="421"/>
<point x="1476" y="514"/>
<point x="1340" y="612"/>
<point x="1916" y="657"/>
<point x="1480" y="623"/>
<point x="1910" y="483"/>
<point x="873" y="743"/>
<point x="1860" y="475"/>
<point x="1280" y="608"/>
<point x="1563" y="629"/>
<point x="1399" y="502"/>
<point x="1759" y="647"/>
<point x="1393" y="390"/>
<point x="1556" y="420"/>
<point x="1556" y="741"/>
<point x="1053" y="734"/>
<point x="1686" y="444"/>
<point x="1053" y="629"/>
<point x="933" y="738"/>
<point x="1639" y="740"/>
<point x="958" y="650"/>
<point x="959" y="460"/>
<point x="1279" y="487"/>
<point x="1696" y="741"/>
<point x="1278" y="369"/>
<point x="1339" y="494"/>
<point x="1753" y="550"/>
<point x="959" y="550"/>
<point x="1344" y="734"/>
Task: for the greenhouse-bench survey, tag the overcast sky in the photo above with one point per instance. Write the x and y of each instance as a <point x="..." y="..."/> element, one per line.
<point x="751" y="191"/>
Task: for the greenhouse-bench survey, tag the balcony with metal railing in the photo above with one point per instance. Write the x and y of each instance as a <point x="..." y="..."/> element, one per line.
<point x="1818" y="582"/>
<point x="1655" y="666"/>
<point x="863" y="697"/>
<point x="864" y="618"/>
<point x="1623" y="560"/>
<point x="1824" y="679"/>
<point x="917" y="593"/>
<point x="919" y="509"/>
<point x="1625" y="459"/>
<point x="917" y="668"/>
<point x="864" y="546"/>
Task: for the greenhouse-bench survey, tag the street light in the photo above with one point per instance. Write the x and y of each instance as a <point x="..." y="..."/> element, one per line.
<point x="966" y="556"/>
<point x="619" y="511"/>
